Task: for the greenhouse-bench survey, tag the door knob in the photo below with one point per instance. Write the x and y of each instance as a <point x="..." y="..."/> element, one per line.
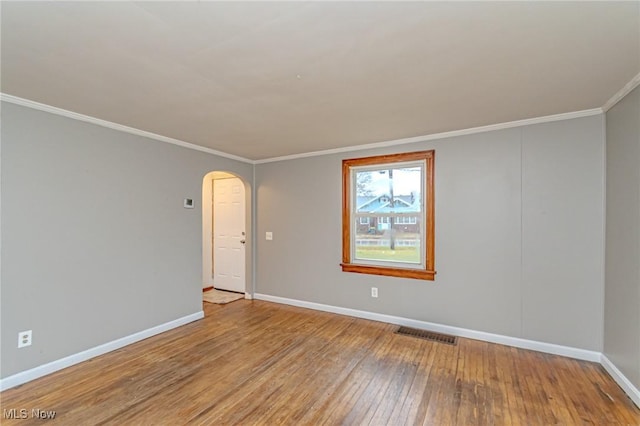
<point x="242" y="241"/>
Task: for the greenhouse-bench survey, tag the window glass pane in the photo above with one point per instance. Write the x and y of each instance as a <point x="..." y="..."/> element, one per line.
<point x="389" y="190"/>
<point x="379" y="240"/>
<point x="381" y="235"/>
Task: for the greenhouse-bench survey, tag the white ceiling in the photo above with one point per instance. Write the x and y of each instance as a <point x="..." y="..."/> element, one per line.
<point x="263" y="79"/>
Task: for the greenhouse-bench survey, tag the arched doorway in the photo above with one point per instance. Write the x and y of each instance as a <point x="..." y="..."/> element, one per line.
<point x="226" y="256"/>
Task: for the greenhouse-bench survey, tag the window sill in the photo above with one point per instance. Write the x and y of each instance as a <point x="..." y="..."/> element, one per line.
<point x="418" y="274"/>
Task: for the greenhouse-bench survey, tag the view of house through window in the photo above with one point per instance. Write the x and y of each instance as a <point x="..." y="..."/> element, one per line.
<point x="388" y="222"/>
<point x="388" y="209"/>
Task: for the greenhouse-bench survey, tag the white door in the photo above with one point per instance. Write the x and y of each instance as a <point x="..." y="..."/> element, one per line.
<point x="228" y="234"/>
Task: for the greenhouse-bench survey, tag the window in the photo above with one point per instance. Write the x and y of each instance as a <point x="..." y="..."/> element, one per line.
<point x="394" y="196"/>
<point x="406" y="220"/>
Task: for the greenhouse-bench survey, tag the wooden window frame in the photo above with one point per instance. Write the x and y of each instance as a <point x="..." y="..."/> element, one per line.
<point x="425" y="272"/>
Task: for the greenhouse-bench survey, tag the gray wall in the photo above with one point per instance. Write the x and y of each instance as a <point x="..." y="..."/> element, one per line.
<point x="95" y="242"/>
<point x="622" y="277"/>
<point x="519" y="235"/>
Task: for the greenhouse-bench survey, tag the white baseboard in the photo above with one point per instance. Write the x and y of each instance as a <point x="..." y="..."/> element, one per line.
<point x="43" y="370"/>
<point x="550" y="348"/>
<point x="621" y="380"/>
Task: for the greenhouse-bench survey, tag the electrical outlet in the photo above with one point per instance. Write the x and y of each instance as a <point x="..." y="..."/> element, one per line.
<point x="374" y="291"/>
<point x="24" y="339"/>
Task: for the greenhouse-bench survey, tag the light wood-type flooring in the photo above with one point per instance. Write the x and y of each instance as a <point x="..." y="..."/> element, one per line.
<point x="260" y="363"/>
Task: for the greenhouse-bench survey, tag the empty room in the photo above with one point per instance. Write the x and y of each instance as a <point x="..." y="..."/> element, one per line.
<point x="305" y="213"/>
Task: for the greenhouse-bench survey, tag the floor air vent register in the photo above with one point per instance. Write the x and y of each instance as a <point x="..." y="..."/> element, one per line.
<point x="427" y="335"/>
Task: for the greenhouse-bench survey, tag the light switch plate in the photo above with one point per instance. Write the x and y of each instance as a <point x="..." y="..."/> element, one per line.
<point x="269" y="236"/>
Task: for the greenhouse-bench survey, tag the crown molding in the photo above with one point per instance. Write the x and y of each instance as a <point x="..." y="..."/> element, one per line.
<point x="115" y="126"/>
<point x="443" y="135"/>
<point x="473" y="130"/>
<point x="635" y="82"/>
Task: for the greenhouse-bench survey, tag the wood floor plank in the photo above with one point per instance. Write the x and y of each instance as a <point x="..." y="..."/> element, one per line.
<point x="345" y="367"/>
<point x="408" y="411"/>
<point x="259" y="363"/>
<point x="310" y="388"/>
<point x="400" y="385"/>
<point x="352" y="388"/>
<point x="220" y="374"/>
<point x="510" y="412"/>
<point x="446" y="392"/>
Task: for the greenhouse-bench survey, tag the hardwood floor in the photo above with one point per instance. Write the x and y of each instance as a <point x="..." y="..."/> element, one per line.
<point x="259" y="363"/>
